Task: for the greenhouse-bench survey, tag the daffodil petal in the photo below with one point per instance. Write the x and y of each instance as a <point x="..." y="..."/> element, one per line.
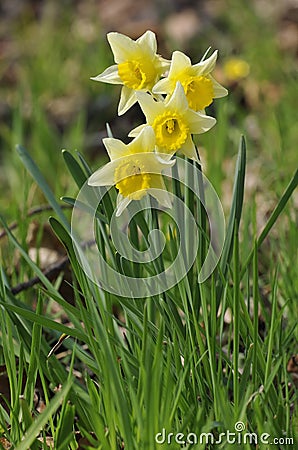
<point x="166" y="157"/>
<point x="144" y="142"/>
<point x="179" y="62"/>
<point x="149" y="107"/>
<point x="163" y="86"/>
<point x="127" y="100"/>
<point x="122" y="203"/>
<point x="188" y="149"/>
<point x="199" y="123"/>
<point x="105" y="175"/>
<point x="178" y="101"/>
<point x="115" y="148"/>
<point x="162" y="196"/>
<point x="122" y="46"/>
<point x="164" y="64"/>
<point x="110" y="75"/>
<point x="167" y="163"/>
<point x="148" y="39"/>
<point x="206" y="66"/>
<point x="137" y="130"/>
<point x="219" y="90"/>
<point x="154" y="163"/>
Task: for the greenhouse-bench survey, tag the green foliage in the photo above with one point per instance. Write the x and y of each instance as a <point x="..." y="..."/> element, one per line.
<point x="173" y="369"/>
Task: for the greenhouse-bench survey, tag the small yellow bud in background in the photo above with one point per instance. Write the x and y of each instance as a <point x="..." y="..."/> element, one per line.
<point x="235" y="69"/>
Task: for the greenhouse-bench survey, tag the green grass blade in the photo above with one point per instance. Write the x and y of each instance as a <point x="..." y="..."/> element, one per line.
<point x="84" y="164"/>
<point x="255" y="316"/>
<point x="279" y="207"/>
<point x="84" y="207"/>
<point x="74" y="168"/>
<point x="51" y="289"/>
<point x="43" y="418"/>
<point x="33" y="362"/>
<point x="236" y="206"/>
<point x="236" y="319"/>
<point x="40" y="180"/>
<point x="271" y="331"/>
<point x="44" y="321"/>
<point x="273" y="218"/>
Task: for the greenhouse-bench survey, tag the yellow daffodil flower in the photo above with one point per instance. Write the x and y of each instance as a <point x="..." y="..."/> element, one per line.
<point x="138" y="67"/>
<point x="173" y="122"/>
<point x="134" y="169"/>
<point x="199" y="86"/>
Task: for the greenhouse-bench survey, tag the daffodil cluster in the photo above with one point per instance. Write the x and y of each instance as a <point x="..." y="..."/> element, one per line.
<point x="173" y="96"/>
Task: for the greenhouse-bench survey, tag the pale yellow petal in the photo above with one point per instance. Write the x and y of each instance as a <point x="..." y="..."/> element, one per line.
<point x="161" y="195"/>
<point x="188" y="149"/>
<point x="110" y="75"/>
<point x="198" y="122"/>
<point x="123" y="47"/>
<point x="127" y="100"/>
<point x="148" y="40"/>
<point x="166" y="164"/>
<point x="137" y="130"/>
<point x="165" y="156"/>
<point x="149" y="106"/>
<point x="163" y="86"/>
<point x="164" y="64"/>
<point x="150" y="161"/>
<point x="144" y="142"/>
<point x="219" y="90"/>
<point x="206" y="66"/>
<point x="178" y="101"/>
<point x="179" y="62"/>
<point x="115" y="148"/>
<point x="122" y="203"/>
<point x="104" y="176"/>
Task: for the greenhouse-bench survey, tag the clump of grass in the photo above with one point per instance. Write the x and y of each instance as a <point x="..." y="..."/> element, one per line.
<point x="178" y="365"/>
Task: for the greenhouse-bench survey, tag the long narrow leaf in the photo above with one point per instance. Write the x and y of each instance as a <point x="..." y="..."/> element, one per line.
<point x="41" y="420"/>
<point x="236" y="208"/>
<point x="44" y="321"/>
<point x="74" y="168"/>
<point x="40" y="180"/>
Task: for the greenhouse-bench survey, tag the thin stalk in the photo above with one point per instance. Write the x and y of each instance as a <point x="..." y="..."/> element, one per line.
<point x="211" y="351"/>
<point x="271" y="332"/>
<point x="236" y="305"/>
<point x="189" y="201"/>
<point x="255" y="316"/>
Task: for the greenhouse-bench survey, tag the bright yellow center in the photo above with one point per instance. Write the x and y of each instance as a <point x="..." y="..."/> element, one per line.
<point x="131" y="179"/>
<point x="171" y="131"/>
<point x="199" y="91"/>
<point x="137" y="74"/>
